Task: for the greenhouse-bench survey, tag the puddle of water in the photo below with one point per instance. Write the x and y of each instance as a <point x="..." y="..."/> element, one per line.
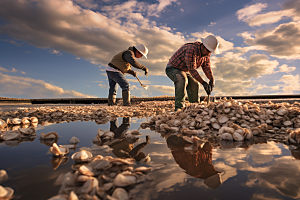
<point x="231" y="171"/>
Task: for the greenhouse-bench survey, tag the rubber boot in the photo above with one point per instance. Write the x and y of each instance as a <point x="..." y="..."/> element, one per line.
<point x="126" y="98"/>
<point x="112" y="100"/>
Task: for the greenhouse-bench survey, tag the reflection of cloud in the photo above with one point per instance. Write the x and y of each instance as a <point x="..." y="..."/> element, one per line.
<point x="15" y="85"/>
<point x="282" y="176"/>
<point x="227" y="171"/>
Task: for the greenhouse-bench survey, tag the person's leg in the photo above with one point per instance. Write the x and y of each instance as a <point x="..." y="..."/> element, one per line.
<point x="120" y="78"/>
<point x="192" y="89"/>
<point x="180" y="82"/>
<point x="112" y="92"/>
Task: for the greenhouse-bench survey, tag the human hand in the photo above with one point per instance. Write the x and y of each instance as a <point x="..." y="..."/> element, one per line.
<point x="206" y="87"/>
<point x="133" y="73"/>
<point x="146" y="71"/>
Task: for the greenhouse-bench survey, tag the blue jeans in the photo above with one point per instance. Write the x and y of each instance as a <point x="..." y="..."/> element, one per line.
<point x="184" y="83"/>
<point x="113" y="79"/>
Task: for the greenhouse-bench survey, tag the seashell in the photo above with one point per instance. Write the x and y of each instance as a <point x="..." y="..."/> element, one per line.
<point x="227" y="104"/>
<point x="108" y="135"/>
<point x="227" y="136"/>
<point x="25" y="120"/>
<point x="174" y="129"/>
<point x="10" y="135"/>
<point x="3" y="176"/>
<point x="86" y="170"/>
<point x="100" y="132"/>
<point x="135" y="132"/>
<point x="225" y="129"/>
<point x="107" y="186"/>
<point x="268" y="121"/>
<point x="58" y="150"/>
<point x="103" y="164"/>
<point x="120" y="194"/>
<point x="48" y="136"/>
<point x="8" y="121"/>
<point x="74" y="140"/>
<point x="6" y="192"/>
<point x="82" y="156"/>
<point x="216" y="126"/>
<point x="57" y="161"/>
<point x="16" y="121"/>
<point x="227" y="110"/>
<point x="288" y="123"/>
<point x="269" y="112"/>
<point x="3" y="123"/>
<point x="90" y="186"/>
<point x="282" y="111"/>
<point x="223" y="119"/>
<point x="73" y="196"/>
<point x="124" y="180"/>
<point x="237" y="136"/>
<point x="27" y="131"/>
<point x="56" y="114"/>
<point x="143" y="169"/>
<point x="33" y="120"/>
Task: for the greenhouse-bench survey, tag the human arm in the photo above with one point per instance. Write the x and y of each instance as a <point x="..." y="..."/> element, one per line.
<point x="128" y="56"/>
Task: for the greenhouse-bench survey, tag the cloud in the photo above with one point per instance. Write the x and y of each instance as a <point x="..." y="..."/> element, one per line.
<point x="249" y="11"/>
<point x="163" y="89"/>
<point x="15" y="85"/>
<point x="286" y="68"/>
<point x="292" y="83"/>
<point x="87" y="3"/>
<point x="212" y="23"/>
<point x="105" y="86"/>
<point x="281" y="42"/>
<point x="6" y="70"/>
<point x="55" y="52"/>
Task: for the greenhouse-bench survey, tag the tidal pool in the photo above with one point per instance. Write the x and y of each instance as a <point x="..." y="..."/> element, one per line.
<point x="265" y="170"/>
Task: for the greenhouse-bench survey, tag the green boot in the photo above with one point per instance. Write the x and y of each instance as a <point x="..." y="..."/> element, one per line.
<point x="126" y="98"/>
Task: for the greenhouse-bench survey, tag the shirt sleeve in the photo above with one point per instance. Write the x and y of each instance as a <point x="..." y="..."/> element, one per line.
<point x="190" y="60"/>
<point x="207" y="69"/>
<point x="128" y="57"/>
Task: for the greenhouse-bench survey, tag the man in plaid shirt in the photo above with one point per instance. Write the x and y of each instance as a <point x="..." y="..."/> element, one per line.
<point x="182" y="69"/>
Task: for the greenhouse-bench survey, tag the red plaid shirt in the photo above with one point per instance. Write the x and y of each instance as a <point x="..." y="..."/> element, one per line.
<point x="188" y="58"/>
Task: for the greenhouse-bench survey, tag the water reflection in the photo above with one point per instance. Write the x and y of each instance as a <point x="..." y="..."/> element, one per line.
<point x="197" y="163"/>
<point x="124" y="146"/>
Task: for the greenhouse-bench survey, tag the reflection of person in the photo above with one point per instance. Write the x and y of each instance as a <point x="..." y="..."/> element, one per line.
<point x="197" y="164"/>
<point x="118" y="66"/>
<point x="182" y="69"/>
<point x="124" y="147"/>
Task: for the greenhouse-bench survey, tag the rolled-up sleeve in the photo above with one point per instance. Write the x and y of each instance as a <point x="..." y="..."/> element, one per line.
<point x="207" y="68"/>
<point x="190" y="60"/>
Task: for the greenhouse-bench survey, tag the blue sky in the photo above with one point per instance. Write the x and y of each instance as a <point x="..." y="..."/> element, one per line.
<point x="60" y="48"/>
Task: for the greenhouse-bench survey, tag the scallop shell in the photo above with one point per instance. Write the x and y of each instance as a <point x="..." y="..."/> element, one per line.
<point x="223" y="119"/>
<point x="216" y="126"/>
<point x="143" y="169"/>
<point x="48" y="136"/>
<point x="82" y="156"/>
<point x="86" y="170"/>
<point x="238" y="137"/>
<point x="103" y="164"/>
<point x="10" y="135"/>
<point x="288" y="123"/>
<point x="58" y="150"/>
<point x="225" y="129"/>
<point x="282" y="111"/>
<point x="9" y="121"/>
<point x="25" y="120"/>
<point x="125" y="180"/>
<point x="100" y="132"/>
<point x="74" y="140"/>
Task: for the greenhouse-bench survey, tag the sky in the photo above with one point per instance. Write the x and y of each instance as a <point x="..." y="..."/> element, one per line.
<point x="60" y="48"/>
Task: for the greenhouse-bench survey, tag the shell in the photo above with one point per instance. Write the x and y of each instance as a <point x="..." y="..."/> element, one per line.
<point x="16" y="121"/>
<point x="237" y="136"/>
<point x="6" y="192"/>
<point x="227" y="136"/>
<point x="125" y="180"/>
<point x="86" y="170"/>
<point x="27" y="131"/>
<point x="8" y="121"/>
<point x="74" y="140"/>
<point x="48" y="136"/>
<point x="288" y="123"/>
<point x="3" y="123"/>
<point x="25" y="120"/>
<point x="10" y="135"/>
<point x="135" y="132"/>
<point x="282" y="111"/>
<point x="3" y="176"/>
<point x="223" y="119"/>
<point x="33" y="120"/>
<point x="73" y="196"/>
<point x="143" y="169"/>
<point x="58" y="150"/>
<point x="59" y="197"/>
<point x="225" y="129"/>
<point x="216" y="126"/>
<point x="82" y="156"/>
<point x="120" y="194"/>
<point x="100" y="132"/>
<point x="103" y="164"/>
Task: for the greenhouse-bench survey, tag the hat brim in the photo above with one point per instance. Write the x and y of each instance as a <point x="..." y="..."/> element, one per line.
<point x="143" y="54"/>
<point x="215" y="51"/>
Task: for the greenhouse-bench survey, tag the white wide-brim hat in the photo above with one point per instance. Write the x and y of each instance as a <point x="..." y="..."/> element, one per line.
<point x="211" y="43"/>
<point x="142" y="49"/>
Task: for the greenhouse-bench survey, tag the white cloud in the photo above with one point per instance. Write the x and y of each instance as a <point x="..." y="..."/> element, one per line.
<point x="250" y="11"/>
<point x="15" y="85"/>
<point x="292" y="83"/>
<point x="87" y="3"/>
<point x="105" y="86"/>
<point x="6" y="70"/>
<point x="53" y="51"/>
<point x="286" y="68"/>
<point x="212" y="23"/>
